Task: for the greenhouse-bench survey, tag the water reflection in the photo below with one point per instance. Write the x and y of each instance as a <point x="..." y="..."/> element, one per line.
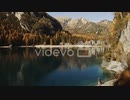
<point x="21" y="67"/>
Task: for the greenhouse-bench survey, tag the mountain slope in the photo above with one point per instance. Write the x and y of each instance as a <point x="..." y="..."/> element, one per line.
<point x="39" y="22"/>
<point x="20" y="28"/>
<point x="82" y="25"/>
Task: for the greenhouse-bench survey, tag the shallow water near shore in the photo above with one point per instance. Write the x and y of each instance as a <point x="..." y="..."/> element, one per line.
<point x="23" y="67"/>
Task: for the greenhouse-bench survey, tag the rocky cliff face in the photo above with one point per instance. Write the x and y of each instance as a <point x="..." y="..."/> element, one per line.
<point x="125" y="38"/>
<point x="118" y="59"/>
<point x="116" y="63"/>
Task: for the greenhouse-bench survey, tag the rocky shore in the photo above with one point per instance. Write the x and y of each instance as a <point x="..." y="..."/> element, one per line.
<point x="108" y="83"/>
<point x="115" y="66"/>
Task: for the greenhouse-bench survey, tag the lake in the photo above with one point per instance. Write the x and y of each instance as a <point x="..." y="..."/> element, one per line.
<point x="59" y="67"/>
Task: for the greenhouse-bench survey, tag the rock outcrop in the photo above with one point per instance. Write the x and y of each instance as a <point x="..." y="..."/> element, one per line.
<point x="115" y="66"/>
<point x="125" y="38"/>
<point x="109" y="83"/>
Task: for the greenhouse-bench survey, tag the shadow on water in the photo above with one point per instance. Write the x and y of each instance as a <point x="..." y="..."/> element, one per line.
<point x="23" y="67"/>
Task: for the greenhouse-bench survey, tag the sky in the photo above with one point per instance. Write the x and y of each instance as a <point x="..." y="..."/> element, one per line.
<point x="92" y="16"/>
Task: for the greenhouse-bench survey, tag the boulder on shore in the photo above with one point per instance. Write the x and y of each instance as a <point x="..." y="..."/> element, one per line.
<point x="117" y="67"/>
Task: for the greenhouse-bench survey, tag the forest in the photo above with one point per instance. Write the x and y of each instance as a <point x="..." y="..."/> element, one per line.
<point x="11" y="33"/>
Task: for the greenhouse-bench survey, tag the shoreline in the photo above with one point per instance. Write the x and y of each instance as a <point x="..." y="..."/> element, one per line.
<point x="57" y="46"/>
<point x="5" y="46"/>
<point x="61" y="46"/>
<point x="108" y="83"/>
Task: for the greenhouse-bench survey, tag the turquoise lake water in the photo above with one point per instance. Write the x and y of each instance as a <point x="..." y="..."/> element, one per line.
<point x="22" y="67"/>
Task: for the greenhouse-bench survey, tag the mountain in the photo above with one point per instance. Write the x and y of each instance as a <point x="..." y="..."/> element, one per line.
<point x="39" y="22"/>
<point x="82" y="25"/>
<point x="64" y="20"/>
<point x="27" y="28"/>
<point x="105" y="23"/>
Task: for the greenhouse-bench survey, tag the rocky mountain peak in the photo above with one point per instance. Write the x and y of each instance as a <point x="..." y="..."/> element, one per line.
<point x="105" y="21"/>
<point x="83" y="25"/>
